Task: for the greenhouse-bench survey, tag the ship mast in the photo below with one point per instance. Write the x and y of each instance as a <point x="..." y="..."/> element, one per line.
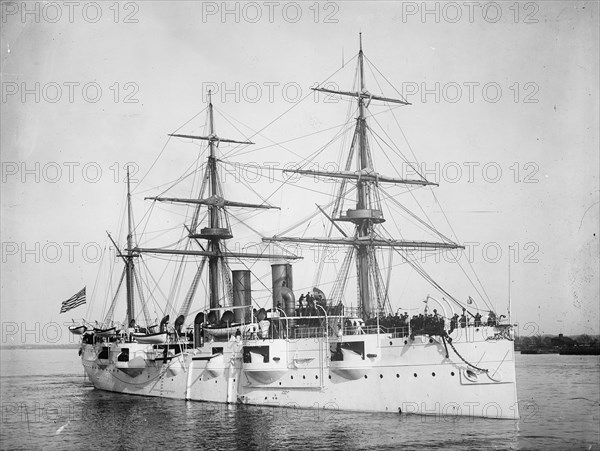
<point x="214" y="238"/>
<point x="218" y="228"/>
<point x="364" y="225"/>
<point x="367" y="212"/>
<point x="129" y="257"/>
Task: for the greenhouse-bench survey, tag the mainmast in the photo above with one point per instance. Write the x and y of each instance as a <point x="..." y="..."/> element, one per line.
<point x="129" y="257"/>
<point x="364" y="224"/>
<point x="367" y="212"/>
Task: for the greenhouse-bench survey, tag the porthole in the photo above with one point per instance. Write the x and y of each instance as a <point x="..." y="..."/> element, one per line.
<point x="415" y="374"/>
<point x="381" y="376"/>
<point x="452" y="373"/>
<point x="303" y="377"/>
<point x="433" y="374"/>
<point x="397" y="375"/>
<point x="470" y="375"/>
<point x="365" y="376"/>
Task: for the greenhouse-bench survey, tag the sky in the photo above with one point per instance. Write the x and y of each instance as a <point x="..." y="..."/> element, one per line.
<point x="504" y="116"/>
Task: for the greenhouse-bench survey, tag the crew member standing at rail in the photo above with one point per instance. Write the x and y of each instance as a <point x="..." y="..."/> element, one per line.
<point x="463" y="318"/>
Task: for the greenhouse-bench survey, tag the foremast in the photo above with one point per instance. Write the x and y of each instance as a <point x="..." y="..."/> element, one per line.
<point x="367" y="212"/>
<point x="218" y="228"/>
<point x="129" y="265"/>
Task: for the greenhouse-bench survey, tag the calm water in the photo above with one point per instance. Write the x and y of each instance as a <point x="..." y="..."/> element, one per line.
<point x="48" y="404"/>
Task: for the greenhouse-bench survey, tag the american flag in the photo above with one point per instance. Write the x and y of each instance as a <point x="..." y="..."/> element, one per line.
<point x="74" y="301"/>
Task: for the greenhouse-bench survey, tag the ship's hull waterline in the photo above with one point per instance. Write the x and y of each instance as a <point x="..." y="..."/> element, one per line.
<point x="382" y="374"/>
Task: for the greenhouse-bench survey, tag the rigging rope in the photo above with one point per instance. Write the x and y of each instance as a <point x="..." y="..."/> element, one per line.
<point x="141" y="295"/>
<point x="471" y="266"/>
<point x="414" y="216"/>
<point x="337" y="291"/>
<point x="111" y="310"/>
<point x="166" y="143"/>
<point x="288" y="110"/>
<point x="93" y="295"/>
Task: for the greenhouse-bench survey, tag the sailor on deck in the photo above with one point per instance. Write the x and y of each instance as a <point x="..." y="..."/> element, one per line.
<point x="453" y="322"/>
<point x="359" y="330"/>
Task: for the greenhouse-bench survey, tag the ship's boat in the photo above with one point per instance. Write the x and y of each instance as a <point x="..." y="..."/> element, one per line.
<point x="77" y="330"/>
<point x="105" y="333"/>
<point x="154" y="339"/>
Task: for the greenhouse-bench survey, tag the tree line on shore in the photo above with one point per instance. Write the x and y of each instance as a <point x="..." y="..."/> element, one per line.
<point x="556" y="341"/>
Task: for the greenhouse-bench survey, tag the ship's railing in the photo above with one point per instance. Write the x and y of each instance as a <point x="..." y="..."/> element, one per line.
<point x="374" y="329"/>
<point x="307" y="332"/>
<point x="501" y="331"/>
<point x="358" y="312"/>
<point x="353" y="312"/>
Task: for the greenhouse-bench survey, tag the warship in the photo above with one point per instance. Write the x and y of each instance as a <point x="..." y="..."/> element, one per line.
<point x="343" y="350"/>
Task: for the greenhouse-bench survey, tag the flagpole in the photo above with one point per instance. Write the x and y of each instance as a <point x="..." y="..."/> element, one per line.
<point x="509" y="296"/>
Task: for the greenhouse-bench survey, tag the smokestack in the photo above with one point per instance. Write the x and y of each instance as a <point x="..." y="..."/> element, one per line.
<point x="198" y="325"/>
<point x="241" y="295"/>
<point x="282" y="277"/>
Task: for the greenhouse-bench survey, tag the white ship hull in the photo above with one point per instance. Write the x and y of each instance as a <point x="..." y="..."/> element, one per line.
<point x="396" y="375"/>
